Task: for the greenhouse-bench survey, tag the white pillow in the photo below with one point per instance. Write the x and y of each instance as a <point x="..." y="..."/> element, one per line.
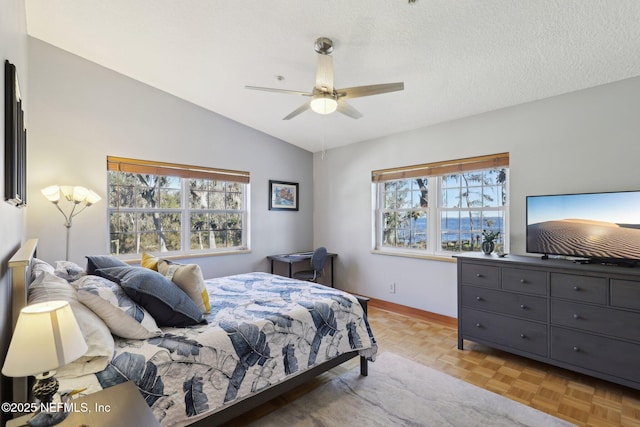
<point x="69" y="271"/>
<point x="39" y="266"/>
<point x="49" y="287"/>
<point x="122" y="315"/>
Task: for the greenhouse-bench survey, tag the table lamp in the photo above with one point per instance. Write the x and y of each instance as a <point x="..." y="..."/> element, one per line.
<point x="46" y="338"/>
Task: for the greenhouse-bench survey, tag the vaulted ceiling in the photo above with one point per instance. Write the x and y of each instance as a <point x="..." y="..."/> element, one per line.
<point x="456" y="58"/>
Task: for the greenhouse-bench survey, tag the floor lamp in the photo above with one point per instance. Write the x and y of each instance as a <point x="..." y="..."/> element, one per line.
<point x="74" y="194"/>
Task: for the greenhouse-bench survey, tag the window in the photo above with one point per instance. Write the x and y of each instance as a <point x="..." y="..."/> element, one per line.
<point x="441" y="208"/>
<point x="164" y="207"/>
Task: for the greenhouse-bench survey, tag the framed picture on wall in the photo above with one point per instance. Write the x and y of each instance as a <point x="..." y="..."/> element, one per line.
<point x="15" y="140"/>
<point x="283" y="196"/>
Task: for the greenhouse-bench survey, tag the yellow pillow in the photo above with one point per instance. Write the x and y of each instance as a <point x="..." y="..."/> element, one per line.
<point x="149" y="261"/>
<point x="187" y="277"/>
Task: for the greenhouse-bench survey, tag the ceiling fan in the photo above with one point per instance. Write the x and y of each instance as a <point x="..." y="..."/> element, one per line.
<point x="325" y="99"/>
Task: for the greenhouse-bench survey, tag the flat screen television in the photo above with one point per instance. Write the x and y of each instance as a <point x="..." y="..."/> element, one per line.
<point x="596" y="227"/>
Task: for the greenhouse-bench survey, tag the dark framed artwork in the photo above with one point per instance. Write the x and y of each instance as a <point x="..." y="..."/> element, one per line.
<point x="283" y="196"/>
<point x="15" y="140"/>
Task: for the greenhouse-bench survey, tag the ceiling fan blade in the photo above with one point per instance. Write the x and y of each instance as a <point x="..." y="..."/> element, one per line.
<point x="348" y="110"/>
<point x="324" y="73"/>
<point x="358" y="91"/>
<point x="286" y="91"/>
<point x="301" y="109"/>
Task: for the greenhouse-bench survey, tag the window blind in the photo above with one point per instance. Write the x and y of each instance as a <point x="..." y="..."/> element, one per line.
<point x="442" y="168"/>
<point x="121" y="164"/>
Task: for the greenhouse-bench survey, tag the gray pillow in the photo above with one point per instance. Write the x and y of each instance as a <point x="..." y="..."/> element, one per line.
<point x="167" y="303"/>
<point x="95" y="262"/>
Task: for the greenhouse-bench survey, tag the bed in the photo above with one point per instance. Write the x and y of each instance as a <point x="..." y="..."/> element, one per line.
<point x="264" y="335"/>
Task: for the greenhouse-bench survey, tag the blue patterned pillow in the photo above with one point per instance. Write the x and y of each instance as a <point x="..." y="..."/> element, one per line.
<point x="167" y="303"/>
<point x="121" y="314"/>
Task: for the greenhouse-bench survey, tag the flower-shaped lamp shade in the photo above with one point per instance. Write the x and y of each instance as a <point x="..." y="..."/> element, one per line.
<point x="67" y="192"/>
<point x="76" y="195"/>
<point x="79" y="194"/>
<point x="92" y="198"/>
<point x="52" y="193"/>
<point x="47" y="336"/>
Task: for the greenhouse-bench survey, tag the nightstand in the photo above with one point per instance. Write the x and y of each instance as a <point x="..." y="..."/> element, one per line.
<point x="120" y="405"/>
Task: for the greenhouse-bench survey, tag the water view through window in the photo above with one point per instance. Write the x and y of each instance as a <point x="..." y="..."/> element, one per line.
<point x="453" y="210"/>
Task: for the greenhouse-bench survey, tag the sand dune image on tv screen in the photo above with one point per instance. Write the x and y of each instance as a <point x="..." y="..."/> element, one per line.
<point x="584" y="238"/>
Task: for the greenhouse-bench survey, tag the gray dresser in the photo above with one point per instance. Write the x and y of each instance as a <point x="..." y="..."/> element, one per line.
<point x="577" y="316"/>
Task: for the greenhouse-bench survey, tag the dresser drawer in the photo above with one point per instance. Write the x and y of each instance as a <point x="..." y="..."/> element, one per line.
<point x="605" y="355"/>
<point x="525" y="306"/>
<point x="602" y="320"/>
<point x="518" y="334"/>
<point x="480" y="275"/>
<point x="521" y="280"/>
<point x="579" y="288"/>
<point x="625" y="294"/>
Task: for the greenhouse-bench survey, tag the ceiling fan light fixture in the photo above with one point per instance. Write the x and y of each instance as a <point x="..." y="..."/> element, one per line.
<point x="323" y="104"/>
<point x="324" y="96"/>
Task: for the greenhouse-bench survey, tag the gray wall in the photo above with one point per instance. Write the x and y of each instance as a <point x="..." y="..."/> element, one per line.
<point x="582" y="141"/>
<point x="82" y="112"/>
<point x="579" y="142"/>
<point x="13" y="47"/>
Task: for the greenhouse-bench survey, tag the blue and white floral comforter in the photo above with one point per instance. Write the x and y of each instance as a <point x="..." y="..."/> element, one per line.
<point x="262" y="328"/>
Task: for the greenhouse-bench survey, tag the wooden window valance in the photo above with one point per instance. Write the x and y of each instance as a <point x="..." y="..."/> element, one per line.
<point x="442" y="168"/>
<point x="121" y="164"/>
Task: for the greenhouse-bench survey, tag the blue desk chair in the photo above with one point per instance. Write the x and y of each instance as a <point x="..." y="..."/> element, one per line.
<point x="318" y="259"/>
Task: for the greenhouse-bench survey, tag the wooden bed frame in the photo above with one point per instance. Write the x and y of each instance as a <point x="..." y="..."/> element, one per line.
<point x="20" y="265"/>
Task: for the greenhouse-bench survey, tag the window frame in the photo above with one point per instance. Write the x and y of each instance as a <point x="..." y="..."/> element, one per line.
<point x="185" y="173"/>
<point x="435" y="172"/>
<point x="382" y="211"/>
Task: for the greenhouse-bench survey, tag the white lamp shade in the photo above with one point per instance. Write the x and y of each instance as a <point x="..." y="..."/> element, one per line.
<point x="324" y="104"/>
<point x="79" y="194"/>
<point x="76" y="194"/>
<point x="52" y="193"/>
<point x="46" y="337"/>
<point x="92" y="197"/>
<point x="67" y="191"/>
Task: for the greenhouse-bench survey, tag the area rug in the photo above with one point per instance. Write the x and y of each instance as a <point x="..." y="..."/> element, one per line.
<point x="400" y="392"/>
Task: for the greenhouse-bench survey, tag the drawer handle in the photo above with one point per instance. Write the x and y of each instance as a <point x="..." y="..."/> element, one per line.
<point x="478" y="325"/>
<point x="576" y="288"/>
<point x="522" y="306"/>
<point x="523" y="336"/>
<point x="478" y="298"/>
<point x="523" y="281"/>
<point x="478" y="275"/>
<point x="576" y="349"/>
<point x="576" y="316"/>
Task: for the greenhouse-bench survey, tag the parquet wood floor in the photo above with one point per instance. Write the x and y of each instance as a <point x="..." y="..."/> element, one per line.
<point x="580" y="399"/>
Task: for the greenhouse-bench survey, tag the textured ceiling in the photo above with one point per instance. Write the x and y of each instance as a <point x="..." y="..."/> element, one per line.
<point x="456" y="58"/>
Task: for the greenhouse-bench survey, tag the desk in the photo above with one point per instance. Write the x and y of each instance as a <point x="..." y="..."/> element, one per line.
<point x="293" y="258"/>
